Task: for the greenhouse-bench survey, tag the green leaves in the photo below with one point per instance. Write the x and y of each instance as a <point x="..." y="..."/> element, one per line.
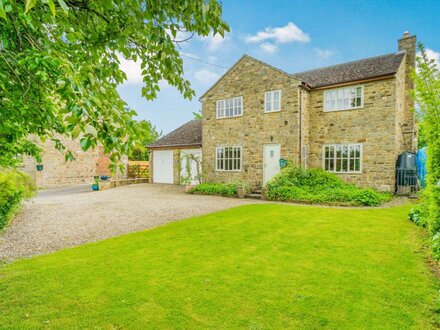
<point x="85" y="143"/>
<point x="427" y="95"/>
<point x="63" y="5"/>
<point x="2" y="10"/>
<point x="59" y="69"/>
<point x="52" y="7"/>
<point x="29" y="4"/>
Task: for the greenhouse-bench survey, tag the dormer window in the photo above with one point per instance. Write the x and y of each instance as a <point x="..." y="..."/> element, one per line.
<point x="346" y="98"/>
<point x="232" y="107"/>
<point x="272" y="101"/>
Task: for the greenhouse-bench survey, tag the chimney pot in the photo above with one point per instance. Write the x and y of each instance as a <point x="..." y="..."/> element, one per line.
<point x="406" y="34"/>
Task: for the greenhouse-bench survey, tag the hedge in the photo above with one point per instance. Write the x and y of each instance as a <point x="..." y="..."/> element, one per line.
<point x="220" y="189"/>
<point x="14" y="187"/>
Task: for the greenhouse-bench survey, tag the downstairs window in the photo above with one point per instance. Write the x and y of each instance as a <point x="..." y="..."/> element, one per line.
<point x="343" y="158"/>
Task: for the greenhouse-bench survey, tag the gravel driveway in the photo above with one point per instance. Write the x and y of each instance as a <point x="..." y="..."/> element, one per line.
<point x="64" y="217"/>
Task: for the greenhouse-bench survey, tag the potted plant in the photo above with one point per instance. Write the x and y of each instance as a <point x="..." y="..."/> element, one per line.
<point x="242" y="189"/>
<point x="95" y="186"/>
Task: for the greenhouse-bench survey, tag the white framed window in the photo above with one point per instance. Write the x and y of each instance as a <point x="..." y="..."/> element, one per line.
<point x="346" y="98"/>
<point x="342" y="158"/>
<point x="272" y="101"/>
<point x="228" y="158"/>
<point x="232" y="107"/>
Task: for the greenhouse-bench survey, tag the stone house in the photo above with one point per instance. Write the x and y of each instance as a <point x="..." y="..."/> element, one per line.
<point x="352" y="119"/>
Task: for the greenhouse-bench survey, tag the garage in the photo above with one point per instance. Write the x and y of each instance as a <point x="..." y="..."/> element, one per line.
<point x="176" y="157"/>
<point x="163" y="166"/>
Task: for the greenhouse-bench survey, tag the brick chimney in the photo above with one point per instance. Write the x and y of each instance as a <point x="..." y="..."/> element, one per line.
<point x="407" y="44"/>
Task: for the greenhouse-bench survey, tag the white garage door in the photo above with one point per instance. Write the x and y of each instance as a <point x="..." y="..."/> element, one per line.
<point x="163" y="166"/>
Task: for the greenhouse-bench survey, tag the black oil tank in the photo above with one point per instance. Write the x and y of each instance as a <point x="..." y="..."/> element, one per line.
<point x="406" y="161"/>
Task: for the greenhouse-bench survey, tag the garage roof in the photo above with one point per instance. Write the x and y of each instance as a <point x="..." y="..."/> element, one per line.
<point x="189" y="134"/>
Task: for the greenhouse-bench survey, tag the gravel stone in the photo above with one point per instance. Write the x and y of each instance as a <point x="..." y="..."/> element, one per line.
<point x="70" y="216"/>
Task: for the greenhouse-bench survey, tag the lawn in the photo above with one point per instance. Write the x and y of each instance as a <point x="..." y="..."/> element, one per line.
<point x="255" y="266"/>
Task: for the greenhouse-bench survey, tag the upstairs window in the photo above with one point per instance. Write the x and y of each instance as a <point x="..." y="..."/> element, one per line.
<point x="232" y="107"/>
<point x="343" y="158"/>
<point x="228" y="158"/>
<point x="344" y="98"/>
<point x="272" y="101"/>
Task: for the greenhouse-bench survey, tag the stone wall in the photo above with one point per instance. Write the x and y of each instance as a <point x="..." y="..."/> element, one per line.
<point x="57" y="172"/>
<point x="374" y="126"/>
<point x="250" y="79"/>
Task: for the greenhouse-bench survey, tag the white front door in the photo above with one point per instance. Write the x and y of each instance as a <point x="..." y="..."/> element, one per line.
<point x="163" y="166"/>
<point x="271" y="161"/>
<point x="190" y="166"/>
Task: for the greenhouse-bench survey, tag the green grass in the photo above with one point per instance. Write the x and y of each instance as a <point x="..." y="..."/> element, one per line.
<point x="255" y="266"/>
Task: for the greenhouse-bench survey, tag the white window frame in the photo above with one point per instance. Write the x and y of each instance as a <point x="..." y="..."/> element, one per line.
<point x="336" y="90"/>
<point x="233" y="99"/>
<point x="361" y="157"/>
<point x="272" y="101"/>
<point x="216" y="159"/>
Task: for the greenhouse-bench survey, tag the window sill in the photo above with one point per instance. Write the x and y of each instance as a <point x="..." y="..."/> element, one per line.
<point x="339" y="110"/>
<point x="344" y="172"/>
<point x="272" y="111"/>
<point x="230" y="117"/>
<point x="228" y="171"/>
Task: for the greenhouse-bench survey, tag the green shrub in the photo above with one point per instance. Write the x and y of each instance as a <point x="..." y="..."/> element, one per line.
<point x="222" y="189"/>
<point x="418" y="215"/>
<point x="318" y="186"/>
<point x="14" y="187"/>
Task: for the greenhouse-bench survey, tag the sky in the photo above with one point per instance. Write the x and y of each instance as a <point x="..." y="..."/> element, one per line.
<point x="291" y="35"/>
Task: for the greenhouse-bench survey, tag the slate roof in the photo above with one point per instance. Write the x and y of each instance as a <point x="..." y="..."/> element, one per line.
<point x="189" y="134"/>
<point x="368" y="68"/>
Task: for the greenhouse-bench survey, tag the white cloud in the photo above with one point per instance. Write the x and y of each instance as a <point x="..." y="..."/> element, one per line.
<point x="214" y="42"/>
<point x="269" y="48"/>
<point x="282" y="35"/>
<point x="132" y="69"/>
<point x="433" y="55"/>
<point x="134" y="73"/>
<point x="324" y="54"/>
<point x="206" y="76"/>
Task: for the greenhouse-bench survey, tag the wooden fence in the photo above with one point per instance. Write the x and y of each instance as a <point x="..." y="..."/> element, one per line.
<point x="138" y="171"/>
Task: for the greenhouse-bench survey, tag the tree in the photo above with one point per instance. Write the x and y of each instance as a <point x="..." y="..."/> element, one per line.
<point x="198" y="114"/>
<point x="150" y="134"/>
<point x="427" y="94"/>
<point x="60" y="66"/>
